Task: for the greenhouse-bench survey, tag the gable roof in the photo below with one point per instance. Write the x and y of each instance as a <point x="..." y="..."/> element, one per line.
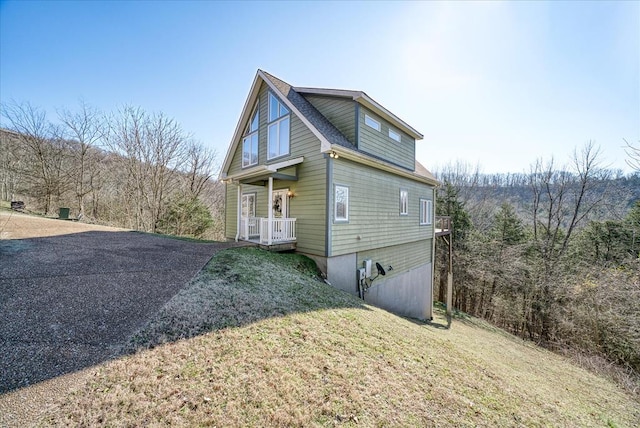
<point x="330" y="137"/>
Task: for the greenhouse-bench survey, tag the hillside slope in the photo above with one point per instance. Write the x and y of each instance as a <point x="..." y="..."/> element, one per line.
<point x="258" y="340"/>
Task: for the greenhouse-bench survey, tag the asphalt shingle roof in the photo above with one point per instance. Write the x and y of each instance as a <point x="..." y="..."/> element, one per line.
<point x="326" y="128"/>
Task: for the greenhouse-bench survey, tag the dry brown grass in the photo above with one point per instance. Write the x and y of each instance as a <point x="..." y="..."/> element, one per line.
<point x="333" y="362"/>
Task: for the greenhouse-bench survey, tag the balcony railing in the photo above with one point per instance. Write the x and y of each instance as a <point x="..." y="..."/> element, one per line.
<point x="443" y="225"/>
<point x="257" y="229"/>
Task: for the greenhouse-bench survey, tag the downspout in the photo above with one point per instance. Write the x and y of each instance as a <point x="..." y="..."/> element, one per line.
<point x="239" y="212"/>
<point x="433" y="252"/>
<point x="270" y="208"/>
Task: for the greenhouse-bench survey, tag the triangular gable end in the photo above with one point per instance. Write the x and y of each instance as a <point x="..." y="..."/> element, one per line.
<point x="247" y="110"/>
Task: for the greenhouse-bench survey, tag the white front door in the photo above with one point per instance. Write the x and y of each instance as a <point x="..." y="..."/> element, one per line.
<point x="279" y="203"/>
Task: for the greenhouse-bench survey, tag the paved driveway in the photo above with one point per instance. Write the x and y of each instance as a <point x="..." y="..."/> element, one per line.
<point x="71" y="293"/>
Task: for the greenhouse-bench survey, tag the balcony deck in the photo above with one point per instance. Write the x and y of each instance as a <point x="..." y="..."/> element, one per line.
<point x="443" y="225"/>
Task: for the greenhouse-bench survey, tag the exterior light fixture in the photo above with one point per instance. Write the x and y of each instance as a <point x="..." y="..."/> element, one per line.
<point x="290" y="194"/>
<point x="333" y="155"/>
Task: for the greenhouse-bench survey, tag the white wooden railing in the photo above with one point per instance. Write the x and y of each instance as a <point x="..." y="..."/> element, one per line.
<point x="254" y="228"/>
<point x="250" y="227"/>
<point x="282" y="230"/>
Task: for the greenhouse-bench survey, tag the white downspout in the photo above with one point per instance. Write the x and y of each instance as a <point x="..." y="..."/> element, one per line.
<point x="239" y="213"/>
<point x="270" y="211"/>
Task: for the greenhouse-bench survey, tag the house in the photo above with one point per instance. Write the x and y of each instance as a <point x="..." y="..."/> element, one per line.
<point x="332" y="174"/>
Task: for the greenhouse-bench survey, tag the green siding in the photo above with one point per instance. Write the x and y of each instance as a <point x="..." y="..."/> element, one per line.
<point x="340" y="112"/>
<point x="374" y="209"/>
<point x="402" y="258"/>
<point x="309" y="204"/>
<point x="378" y="143"/>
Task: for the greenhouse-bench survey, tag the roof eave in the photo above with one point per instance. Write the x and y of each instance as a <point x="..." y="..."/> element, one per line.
<point x="370" y="103"/>
<point x="379" y="164"/>
<point x="246" y="111"/>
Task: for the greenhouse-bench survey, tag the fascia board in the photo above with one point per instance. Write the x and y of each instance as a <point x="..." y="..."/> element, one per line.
<point x="324" y="143"/>
<point x="244" y="116"/>
<point x="368" y="102"/>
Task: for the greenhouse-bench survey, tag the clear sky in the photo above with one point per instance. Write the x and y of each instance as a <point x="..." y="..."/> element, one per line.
<point x="498" y="84"/>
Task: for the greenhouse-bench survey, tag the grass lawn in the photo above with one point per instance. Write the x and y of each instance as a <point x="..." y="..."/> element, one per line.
<point x="257" y="339"/>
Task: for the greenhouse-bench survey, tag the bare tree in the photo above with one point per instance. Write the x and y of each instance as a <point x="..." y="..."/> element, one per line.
<point x="562" y="199"/>
<point x="85" y="129"/>
<point x="200" y="166"/>
<point x="151" y="149"/>
<point x="634" y="155"/>
<point x="11" y="160"/>
<point x="42" y="173"/>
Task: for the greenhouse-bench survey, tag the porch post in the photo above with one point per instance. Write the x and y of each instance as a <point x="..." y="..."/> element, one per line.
<point x="270" y="211"/>
<point x="239" y="216"/>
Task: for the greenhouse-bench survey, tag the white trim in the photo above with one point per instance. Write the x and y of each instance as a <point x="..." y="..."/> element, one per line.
<point x="364" y="99"/>
<point x="344" y="219"/>
<point x="379" y="164"/>
<point x="263" y="169"/>
<point x="277" y="123"/>
<point x="395" y="134"/>
<point x="244" y="116"/>
<point x="367" y="121"/>
<point x="426" y="207"/>
<point x="324" y="143"/>
<point x="249" y="137"/>
<point x="404" y="202"/>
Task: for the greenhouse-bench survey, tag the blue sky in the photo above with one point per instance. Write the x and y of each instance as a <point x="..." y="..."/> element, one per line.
<point x="498" y="84"/>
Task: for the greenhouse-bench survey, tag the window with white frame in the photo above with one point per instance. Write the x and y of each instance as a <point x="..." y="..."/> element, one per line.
<point x="404" y="202"/>
<point x="369" y="121"/>
<point x="394" y="135"/>
<point x="426" y="212"/>
<point x="248" y="205"/>
<point x="278" y="129"/>
<point x="250" y="141"/>
<point x="341" y="203"/>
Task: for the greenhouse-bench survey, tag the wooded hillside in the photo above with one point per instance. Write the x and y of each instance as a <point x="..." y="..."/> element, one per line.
<point x="129" y="168"/>
<point x="551" y="255"/>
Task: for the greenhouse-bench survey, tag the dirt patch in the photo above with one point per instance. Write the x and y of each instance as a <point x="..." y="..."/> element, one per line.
<point x="15" y="225"/>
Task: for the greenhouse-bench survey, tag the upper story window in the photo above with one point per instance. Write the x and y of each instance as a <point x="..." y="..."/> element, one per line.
<point x="394" y="135"/>
<point x="250" y="141"/>
<point x="426" y="212"/>
<point x="369" y="121"/>
<point x="404" y="202"/>
<point x="278" y="131"/>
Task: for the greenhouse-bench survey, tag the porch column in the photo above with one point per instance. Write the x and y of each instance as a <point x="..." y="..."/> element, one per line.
<point x="239" y="216"/>
<point x="270" y="211"/>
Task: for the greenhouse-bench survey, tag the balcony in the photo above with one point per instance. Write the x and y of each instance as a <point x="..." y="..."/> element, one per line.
<point x="443" y="225"/>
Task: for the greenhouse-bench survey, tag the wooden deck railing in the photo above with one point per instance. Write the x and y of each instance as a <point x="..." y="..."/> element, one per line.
<point x="443" y="225"/>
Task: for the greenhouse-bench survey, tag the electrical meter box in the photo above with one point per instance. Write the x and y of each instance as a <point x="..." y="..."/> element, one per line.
<point x="361" y="274"/>
<point x="367" y="267"/>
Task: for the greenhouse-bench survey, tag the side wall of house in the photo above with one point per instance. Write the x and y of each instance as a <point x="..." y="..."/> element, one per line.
<point x="377" y="230"/>
<point x="379" y="144"/>
<point x="308" y="205"/>
<point x="339" y="111"/>
<point x="374" y="209"/>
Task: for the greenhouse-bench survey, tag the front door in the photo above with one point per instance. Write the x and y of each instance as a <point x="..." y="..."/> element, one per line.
<point x="279" y="202"/>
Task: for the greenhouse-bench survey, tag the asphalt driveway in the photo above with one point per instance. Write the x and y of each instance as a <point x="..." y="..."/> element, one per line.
<point x="69" y="299"/>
